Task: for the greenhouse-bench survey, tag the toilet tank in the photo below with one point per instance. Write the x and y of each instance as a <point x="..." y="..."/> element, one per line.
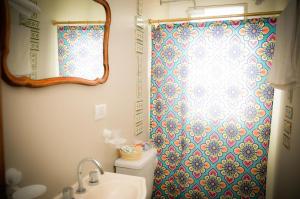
<point x="143" y="167"/>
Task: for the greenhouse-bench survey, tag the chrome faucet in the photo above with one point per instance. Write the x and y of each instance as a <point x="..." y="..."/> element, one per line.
<point x="80" y="188"/>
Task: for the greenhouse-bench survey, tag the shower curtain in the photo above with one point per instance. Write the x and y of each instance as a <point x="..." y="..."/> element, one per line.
<point x="210" y="108"/>
<point x="80" y="51"/>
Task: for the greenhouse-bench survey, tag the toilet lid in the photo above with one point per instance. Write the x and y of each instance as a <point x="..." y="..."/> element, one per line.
<point x="147" y="157"/>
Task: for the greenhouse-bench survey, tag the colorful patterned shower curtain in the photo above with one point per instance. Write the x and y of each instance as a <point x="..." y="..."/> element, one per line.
<point x="211" y="108"/>
<point x="80" y="51"/>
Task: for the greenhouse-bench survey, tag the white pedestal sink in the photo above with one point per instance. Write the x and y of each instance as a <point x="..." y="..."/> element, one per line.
<point x="112" y="186"/>
<point x="30" y="192"/>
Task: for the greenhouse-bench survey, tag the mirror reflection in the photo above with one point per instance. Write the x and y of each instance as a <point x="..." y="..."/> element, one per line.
<point x="56" y="39"/>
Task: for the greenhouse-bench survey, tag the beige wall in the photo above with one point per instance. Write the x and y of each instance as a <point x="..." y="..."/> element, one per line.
<point x="276" y="127"/>
<point x="49" y="130"/>
<point x="287" y="162"/>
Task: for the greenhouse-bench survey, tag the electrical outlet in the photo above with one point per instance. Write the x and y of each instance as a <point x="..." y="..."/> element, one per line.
<point x="100" y="111"/>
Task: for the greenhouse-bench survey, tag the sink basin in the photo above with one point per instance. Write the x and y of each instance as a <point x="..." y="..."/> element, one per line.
<point x="114" y="189"/>
<point x="112" y="186"/>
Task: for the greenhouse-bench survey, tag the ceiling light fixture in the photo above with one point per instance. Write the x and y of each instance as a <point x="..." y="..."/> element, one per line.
<point x="218" y="10"/>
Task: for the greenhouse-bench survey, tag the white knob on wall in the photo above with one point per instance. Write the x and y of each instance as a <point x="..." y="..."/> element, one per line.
<point x="13" y="177"/>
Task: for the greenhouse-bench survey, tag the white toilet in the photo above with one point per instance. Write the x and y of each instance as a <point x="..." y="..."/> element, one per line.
<point x="143" y="167"/>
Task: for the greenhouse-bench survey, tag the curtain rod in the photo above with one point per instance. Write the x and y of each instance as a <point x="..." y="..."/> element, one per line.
<point x="253" y="14"/>
<point x="54" y="22"/>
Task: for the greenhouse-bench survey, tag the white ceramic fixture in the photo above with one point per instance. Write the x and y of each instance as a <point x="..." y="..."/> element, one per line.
<point x="112" y="186"/>
<point x="143" y="167"/>
<point x="13" y="178"/>
<point x="30" y="192"/>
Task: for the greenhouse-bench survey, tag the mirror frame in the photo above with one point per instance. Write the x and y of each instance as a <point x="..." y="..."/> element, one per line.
<point x="26" y="81"/>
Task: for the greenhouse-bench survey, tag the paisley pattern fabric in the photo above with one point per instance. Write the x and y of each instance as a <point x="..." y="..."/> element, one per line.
<point x="210" y="108"/>
<point x="80" y="51"/>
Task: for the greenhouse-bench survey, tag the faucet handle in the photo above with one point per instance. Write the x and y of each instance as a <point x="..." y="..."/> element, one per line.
<point x="68" y="193"/>
<point x="94" y="177"/>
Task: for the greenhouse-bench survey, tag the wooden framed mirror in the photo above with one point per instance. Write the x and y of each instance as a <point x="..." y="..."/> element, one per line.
<point x="55" y="42"/>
